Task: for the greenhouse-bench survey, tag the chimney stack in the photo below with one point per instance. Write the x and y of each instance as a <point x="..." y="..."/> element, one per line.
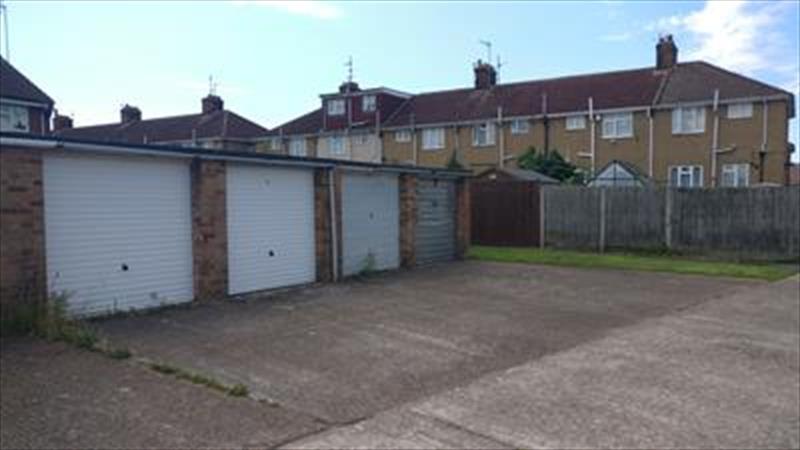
<point x="666" y="53"/>
<point x="130" y="113"/>
<point x="485" y="75"/>
<point x="61" y="122"/>
<point x="348" y="86"/>
<point x="212" y="103"/>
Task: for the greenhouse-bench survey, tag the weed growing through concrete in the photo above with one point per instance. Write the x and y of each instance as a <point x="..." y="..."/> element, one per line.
<point x="237" y="390"/>
<point x="49" y="320"/>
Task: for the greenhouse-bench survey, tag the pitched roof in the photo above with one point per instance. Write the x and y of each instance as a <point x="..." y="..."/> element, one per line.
<point x="558" y="95"/>
<point x="15" y="85"/>
<point x="221" y="123"/>
<point x="696" y="81"/>
<point x="306" y="124"/>
<point x="686" y="82"/>
<point x="619" y="173"/>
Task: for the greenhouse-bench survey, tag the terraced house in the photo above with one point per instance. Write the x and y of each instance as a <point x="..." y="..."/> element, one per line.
<point x="687" y="124"/>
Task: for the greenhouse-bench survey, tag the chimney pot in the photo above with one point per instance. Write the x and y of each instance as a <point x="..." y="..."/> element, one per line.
<point x="61" y="122"/>
<point x="485" y="75"/>
<point x="666" y="53"/>
<point x="130" y="113"/>
<point x="212" y="103"/>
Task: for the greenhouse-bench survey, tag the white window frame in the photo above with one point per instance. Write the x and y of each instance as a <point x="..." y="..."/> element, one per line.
<point x="574" y="123"/>
<point x="520" y="126"/>
<point x="297" y="147"/>
<point x="336" y="107"/>
<point x="740" y="173"/>
<point x="402" y="136"/>
<point x="15" y="119"/>
<point x="743" y="110"/>
<point x="369" y="103"/>
<point x="689" y="120"/>
<point x="275" y="144"/>
<point x="337" y="145"/>
<point x="483" y="134"/>
<point x="433" y="138"/>
<point x="686" y="170"/>
<point x="612" y="125"/>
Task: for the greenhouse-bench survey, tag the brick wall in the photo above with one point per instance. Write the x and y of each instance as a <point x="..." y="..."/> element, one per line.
<point x="22" y="252"/>
<point x="408" y="220"/>
<point x="209" y="229"/>
<point x="462" y="217"/>
<point x="322" y="225"/>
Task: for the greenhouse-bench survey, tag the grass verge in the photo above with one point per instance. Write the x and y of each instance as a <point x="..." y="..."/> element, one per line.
<point x="626" y="261"/>
<point x="237" y="390"/>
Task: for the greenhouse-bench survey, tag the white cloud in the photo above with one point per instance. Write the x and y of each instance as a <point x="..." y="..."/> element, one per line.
<point x="312" y="8"/>
<point x="738" y="35"/>
<point x="617" y="37"/>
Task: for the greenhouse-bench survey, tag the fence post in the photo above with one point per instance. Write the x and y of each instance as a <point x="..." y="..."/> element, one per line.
<point x="668" y="218"/>
<point x="602" y="220"/>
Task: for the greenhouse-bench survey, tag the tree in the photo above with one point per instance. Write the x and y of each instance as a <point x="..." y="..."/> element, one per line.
<point x="551" y="164"/>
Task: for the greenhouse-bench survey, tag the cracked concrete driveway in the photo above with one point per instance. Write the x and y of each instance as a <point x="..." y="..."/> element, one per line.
<point x="493" y="355"/>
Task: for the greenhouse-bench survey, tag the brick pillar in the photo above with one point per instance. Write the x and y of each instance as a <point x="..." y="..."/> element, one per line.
<point x="209" y="230"/>
<point x="22" y="254"/>
<point x="463" y="217"/>
<point x="323" y="232"/>
<point x="408" y="220"/>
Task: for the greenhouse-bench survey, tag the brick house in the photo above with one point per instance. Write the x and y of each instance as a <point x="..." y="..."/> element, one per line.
<point x="214" y="128"/>
<point x="686" y="124"/>
<point x="346" y="126"/>
<point x="24" y="108"/>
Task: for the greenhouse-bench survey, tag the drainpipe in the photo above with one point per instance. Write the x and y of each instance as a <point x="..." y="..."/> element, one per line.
<point x="334" y="235"/>
<point x="378" y="134"/>
<point x="414" y="140"/>
<point x="650" y="141"/>
<point x="546" y="124"/>
<point x="591" y="134"/>
<point x="762" y="154"/>
<point x="501" y="141"/>
<point x="715" y="139"/>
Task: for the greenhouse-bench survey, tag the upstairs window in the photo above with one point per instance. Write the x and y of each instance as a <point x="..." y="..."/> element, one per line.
<point x="297" y="147"/>
<point x="576" y="123"/>
<point x="735" y="175"/>
<point x="520" y="126"/>
<point x="402" y="136"/>
<point x="335" y="107"/>
<point x="483" y="134"/>
<point x="617" y="126"/>
<point x="432" y="138"/>
<point x="686" y="176"/>
<point x="14" y="118"/>
<point x="368" y="103"/>
<point x="688" y="120"/>
<point x="336" y="145"/>
<point x="740" y="110"/>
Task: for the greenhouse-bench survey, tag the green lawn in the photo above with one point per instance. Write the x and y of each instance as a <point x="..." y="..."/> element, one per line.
<point x="627" y="261"/>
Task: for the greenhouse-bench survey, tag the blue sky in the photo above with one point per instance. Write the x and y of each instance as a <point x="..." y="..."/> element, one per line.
<point x="272" y="59"/>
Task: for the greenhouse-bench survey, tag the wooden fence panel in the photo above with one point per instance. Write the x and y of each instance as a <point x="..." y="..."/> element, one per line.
<point x="572" y="217"/>
<point x="747" y="223"/>
<point x="505" y="213"/>
<point x="634" y="217"/>
<point x="753" y="223"/>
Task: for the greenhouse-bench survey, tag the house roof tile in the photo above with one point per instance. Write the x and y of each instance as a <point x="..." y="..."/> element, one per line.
<point x="221" y="123"/>
<point x="15" y="85"/>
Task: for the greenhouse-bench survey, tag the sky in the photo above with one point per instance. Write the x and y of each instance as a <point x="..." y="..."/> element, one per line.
<point x="270" y="60"/>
